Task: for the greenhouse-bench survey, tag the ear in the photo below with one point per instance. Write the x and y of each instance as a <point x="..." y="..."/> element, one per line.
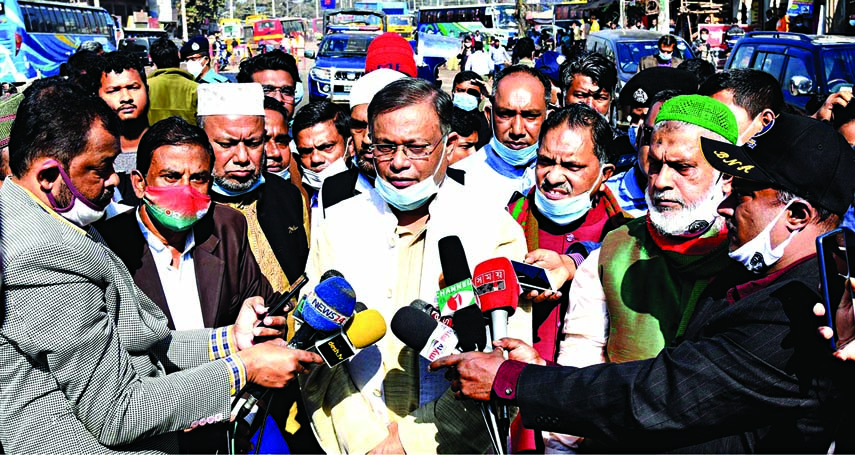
<point x="767" y="116"/>
<point x="799" y="214"/>
<point x="450" y="145"/>
<point x="608" y="171"/>
<point x="47" y="175"/>
<point x="350" y="148"/>
<point x="138" y="183"/>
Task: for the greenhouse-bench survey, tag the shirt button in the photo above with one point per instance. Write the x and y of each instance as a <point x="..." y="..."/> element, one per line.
<point x="378" y="393"/>
<point x="509" y="391"/>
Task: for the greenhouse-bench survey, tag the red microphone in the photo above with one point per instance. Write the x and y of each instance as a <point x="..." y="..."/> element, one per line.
<point x="498" y="291"/>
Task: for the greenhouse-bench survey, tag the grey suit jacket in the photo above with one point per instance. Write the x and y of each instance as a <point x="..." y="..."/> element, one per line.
<point x="74" y="322"/>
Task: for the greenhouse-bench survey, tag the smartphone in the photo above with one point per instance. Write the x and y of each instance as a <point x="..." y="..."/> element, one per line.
<point x="835" y="259"/>
<point x="843" y="88"/>
<point x="532" y="277"/>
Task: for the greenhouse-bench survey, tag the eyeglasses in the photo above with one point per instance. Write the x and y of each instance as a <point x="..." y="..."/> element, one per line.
<point x="386" y="152"/>
<point x="286" y="91"/>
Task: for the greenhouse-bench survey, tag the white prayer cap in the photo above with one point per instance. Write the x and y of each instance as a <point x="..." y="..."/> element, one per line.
<point x="367" y="86"/>
<point x="230" y="99"/>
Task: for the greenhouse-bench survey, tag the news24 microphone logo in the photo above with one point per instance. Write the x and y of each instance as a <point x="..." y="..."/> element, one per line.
<point x="487" y="282"/>
<point x="328" y="312"/>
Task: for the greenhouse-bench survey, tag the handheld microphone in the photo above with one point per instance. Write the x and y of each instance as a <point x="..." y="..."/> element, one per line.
<point x="498" y="292"/>
<point x="364" y="329"/>
<point x="422" y="333"/>
<point x="431" y="311"/>
<point x="458" y="298"/>
<point x="298" y="310"/>
<point x="283" y="305"/>
<point x="327" y="309"/>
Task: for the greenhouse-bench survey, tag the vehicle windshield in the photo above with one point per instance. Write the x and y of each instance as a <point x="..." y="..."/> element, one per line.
<point x="631" y="52"/>
<point x="838" y="64"/>
<point x="344" y="45"/>
<point x="400" y="20"/>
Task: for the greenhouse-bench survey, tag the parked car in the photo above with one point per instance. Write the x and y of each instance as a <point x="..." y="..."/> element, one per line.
<point x="627" y="47"/>
<point x="339" y="63"/>
<point x="805" y="65"/>
<point x="138" y="47"/>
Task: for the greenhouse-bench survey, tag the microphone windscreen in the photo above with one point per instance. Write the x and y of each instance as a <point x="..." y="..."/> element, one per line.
<point x="469" y="325"/>
<point x="331" y="273"/>
<point x="366" y="328"/>
<point x="331" y="305"/>
<point x="496" y="285"/>
<point x="359" y="307"/>
<point x="413" y="327"/>
<point x="452" y="258"/>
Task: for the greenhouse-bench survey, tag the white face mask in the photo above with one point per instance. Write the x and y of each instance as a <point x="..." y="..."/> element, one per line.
<point x="81" y="211"/>
<point x="316" y="179"/>
<point x="413" y="196"/>
<point x="757" y="254"/>
<point x="194" y="67"/>
<point x="513" y="157"/>
<point x="693" y="219"/>
<point x="567" y="210"/>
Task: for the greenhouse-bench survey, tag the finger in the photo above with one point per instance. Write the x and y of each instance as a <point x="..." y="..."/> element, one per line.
<point x="819" y="309"/>
<point x="444" y="362"/>
<point x="278" y="342"/>
<point x="275" y="321"/>
<point x="826" y="332"/>
<point x="509" y="343"/>
<point x="307" y="357"/>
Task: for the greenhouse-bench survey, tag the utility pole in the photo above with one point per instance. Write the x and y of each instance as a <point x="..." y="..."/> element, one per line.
<point x="184" y="19"/>
<point x="231" y="9"/>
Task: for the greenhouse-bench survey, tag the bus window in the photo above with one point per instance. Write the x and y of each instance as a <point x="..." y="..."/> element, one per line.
<point x="88" y="22"/>
<point x="47" y="19"/>
<point x="28" y="23"/>
<point x="56" y="18"/>
<point x="70" y="22"/>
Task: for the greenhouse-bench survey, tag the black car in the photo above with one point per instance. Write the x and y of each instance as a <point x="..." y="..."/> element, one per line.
<point x="138" y="47"/>
<point x="805" y="65"/>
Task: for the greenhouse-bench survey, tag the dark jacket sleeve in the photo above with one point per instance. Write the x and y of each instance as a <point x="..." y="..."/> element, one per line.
<point x="751" y="365"/>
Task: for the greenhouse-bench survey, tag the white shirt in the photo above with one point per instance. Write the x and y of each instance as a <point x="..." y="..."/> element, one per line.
<point x="493" y="180"/>
<point x="179" y="284"/>
<point x="479" y="62"/>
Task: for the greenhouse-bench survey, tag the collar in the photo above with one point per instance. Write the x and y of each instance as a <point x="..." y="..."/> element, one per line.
<point x="44" y="206"/>
<point x="155" y="242"/>
<point x="499" y="165"/>
<point x="715" y="236"/>
<point x="744" y="290"/>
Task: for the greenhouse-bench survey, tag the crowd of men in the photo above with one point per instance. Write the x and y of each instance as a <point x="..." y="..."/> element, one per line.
<point x="147" y="224"/>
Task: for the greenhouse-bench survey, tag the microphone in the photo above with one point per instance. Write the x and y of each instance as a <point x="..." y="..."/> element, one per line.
<point x="498" y="292"/>
<point x="364" y="329"/>
<point x="424" y="334"/>
<point x="431" y="311"/>
<point x="298" y="310"/>
<point x="458" y="298"/>
<point x="327" y="309"/>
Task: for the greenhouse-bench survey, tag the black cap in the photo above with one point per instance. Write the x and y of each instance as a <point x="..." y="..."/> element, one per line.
<point x="639" y="90"/>
<point x="198" y="45"/>
<point x="798" y="154"/>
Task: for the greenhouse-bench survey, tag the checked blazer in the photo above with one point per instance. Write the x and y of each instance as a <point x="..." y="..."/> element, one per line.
<point x="74" y="322"/>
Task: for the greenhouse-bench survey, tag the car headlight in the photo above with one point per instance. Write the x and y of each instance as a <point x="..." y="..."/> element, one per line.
<point x="320" y="73"/>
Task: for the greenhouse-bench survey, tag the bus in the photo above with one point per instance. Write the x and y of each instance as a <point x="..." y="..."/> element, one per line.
<point x="36" y="37"/>
<point x="402" y="24"/>
<point x="494" y="20"/>
<point x="231" y="30"/>
<point x="276" y="29"/>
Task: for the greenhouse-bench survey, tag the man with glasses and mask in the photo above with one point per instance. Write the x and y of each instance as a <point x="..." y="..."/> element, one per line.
<point x="505" y="166"/>
<point x="278" y="75"/>
<point x="386" y="244"/>
<point x="754" y="97"/>
<point x="196" y="52"/>
<point x="665" y="57"/>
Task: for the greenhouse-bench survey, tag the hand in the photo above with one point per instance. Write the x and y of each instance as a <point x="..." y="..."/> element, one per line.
<point x="518" y="350"/>
<point x="271" y="364"/>
<point x="844" y="319"/>
<point x="835" y="99"/>
<point x="247" y="326"/>
<point x="476" y="372"/>
<point x="559" y="266"/>
<point x="392" y="443"/>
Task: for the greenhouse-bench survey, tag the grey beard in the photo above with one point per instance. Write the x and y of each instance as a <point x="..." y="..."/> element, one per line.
<point x="235" y="186"/>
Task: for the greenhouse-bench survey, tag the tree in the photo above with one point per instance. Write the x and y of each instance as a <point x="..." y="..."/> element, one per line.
<point x="199" y="10"/>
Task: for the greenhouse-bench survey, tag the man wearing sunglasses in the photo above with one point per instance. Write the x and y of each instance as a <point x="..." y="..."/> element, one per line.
<point x="385" y="243"/>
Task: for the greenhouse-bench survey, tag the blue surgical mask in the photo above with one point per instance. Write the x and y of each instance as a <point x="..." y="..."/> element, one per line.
<point x="513" y="157"/>
<point x="465" y="101"/>
<point x="412" y="197"/>
<point x="284" y="173"/>
<point x="665" y="57"/>
<point x="564" y="211"/>
<point x="215" y="187"/>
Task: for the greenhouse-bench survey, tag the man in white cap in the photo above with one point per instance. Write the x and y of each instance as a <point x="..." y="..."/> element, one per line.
<point x="232" y="116"/>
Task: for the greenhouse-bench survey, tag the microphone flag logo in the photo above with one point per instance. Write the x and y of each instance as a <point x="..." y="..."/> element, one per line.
<point x="455" y="297"/>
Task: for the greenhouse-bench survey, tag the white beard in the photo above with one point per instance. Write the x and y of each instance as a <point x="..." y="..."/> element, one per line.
<point x="692" y="219"/>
